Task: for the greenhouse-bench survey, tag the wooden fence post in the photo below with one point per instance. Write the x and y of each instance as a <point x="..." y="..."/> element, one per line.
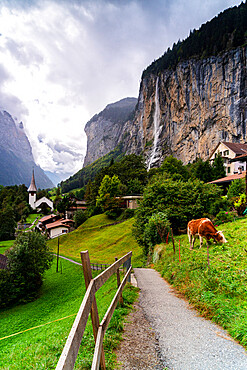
<point x="127" y="265"/>
<point x="174" y="250"/>
<point x="94" y="310"/>
<point x="118" y="284"/>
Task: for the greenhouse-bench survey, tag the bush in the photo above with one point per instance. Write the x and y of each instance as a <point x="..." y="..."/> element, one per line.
<point x="223" y="217"/>
<point x="236" y="188"/>
<point x="240" y="204"/>
<point x="126" y="214"/>
<point x="221" y="204"/>
<point x="179" y="200"/>
<point x="80" y="217"/>
<point x="155" y="231"/>
<point x="27" y="261"/>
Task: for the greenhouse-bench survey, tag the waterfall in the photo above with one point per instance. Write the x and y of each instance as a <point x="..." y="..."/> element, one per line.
<point x="156" y="125"/>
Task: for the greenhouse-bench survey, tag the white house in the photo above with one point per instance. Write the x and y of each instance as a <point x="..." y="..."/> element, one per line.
<point x="57" y="228"/>
<point x="32" y="191"/>
<point x="229" y="151"/>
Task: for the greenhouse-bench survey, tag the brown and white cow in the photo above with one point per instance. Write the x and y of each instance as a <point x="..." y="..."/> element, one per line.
<point x="203" y="228"/>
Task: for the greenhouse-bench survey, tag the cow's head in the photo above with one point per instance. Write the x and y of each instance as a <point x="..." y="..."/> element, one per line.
<point x="220" y="237"/>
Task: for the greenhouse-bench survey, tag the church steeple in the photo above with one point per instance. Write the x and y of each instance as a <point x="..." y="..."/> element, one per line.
<point x="32" y="190"/>
<point x="32" y="187"/>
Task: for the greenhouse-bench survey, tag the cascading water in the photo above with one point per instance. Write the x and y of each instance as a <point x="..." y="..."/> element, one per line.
<point x="156" y="124"/>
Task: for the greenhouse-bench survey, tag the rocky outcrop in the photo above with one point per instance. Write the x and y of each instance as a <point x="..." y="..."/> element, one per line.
<point x="106" y="129"/>
<point x="16" y="157"/>
<point x="184" y="112"/>
<point x="187" y="111"/>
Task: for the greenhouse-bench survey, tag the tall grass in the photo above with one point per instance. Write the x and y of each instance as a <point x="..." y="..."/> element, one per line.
<point x="60" y="297"/>
<point x="218" y="291"/>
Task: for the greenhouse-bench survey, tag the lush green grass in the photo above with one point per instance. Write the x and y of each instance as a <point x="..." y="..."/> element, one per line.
<point x="104" y="243"/>
<point x="4" y="245"/>
<point x="219" y="293"/>
<point x="31" y="218"/>
<point x="61" y="296"/>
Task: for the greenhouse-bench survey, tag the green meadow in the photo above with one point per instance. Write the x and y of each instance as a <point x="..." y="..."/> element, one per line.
<point x="50" y="318"/>
<point x="218" y="291"/>
<point x="103" y="242"/>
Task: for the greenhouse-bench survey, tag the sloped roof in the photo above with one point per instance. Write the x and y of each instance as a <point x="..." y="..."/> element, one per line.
<point x="229" y="178"/>
<point x="45" y="218"/>
<point x="237" y="148"/>
<point x="32" y="186"/>
<point x="56" y="224"/>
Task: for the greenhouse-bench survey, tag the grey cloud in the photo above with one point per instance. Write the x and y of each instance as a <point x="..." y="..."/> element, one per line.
<point x="26" y="54"/>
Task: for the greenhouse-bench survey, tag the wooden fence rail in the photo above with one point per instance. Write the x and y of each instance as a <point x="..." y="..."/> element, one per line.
<point x="71" y="348"/>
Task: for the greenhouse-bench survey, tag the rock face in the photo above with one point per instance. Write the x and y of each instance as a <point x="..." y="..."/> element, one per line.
<point x="16" y="157"/>
<point x="106" y="129"/>
<point x="186" y="112"/>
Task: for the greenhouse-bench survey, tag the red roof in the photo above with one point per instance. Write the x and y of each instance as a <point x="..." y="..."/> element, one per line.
<point x="229" y="178"/>
<point x="66" y="220"/>
<point x="56" y="224"/>
<point x="45" y="218"/>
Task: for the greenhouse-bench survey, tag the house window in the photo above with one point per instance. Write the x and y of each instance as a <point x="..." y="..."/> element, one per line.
<point x="228" y="169"/>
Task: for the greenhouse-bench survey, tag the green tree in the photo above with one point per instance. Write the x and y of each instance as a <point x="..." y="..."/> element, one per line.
<point x="27" y="261"/>
<point x="7" y="224"/>
<point x="109" y="188"/>
<point x="64" y="204"/>
<point x="180" y="200"/>
<point x="201" y="170"/>
<point x="236" y="188"/>
<point x="80" y="217"/>
<point x="155" y="230"/>
<point x="218" y="167"/>
<point x="173" y="166"/>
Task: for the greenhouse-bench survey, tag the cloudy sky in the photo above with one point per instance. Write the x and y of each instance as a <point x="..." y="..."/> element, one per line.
<point x="63" y="61"/>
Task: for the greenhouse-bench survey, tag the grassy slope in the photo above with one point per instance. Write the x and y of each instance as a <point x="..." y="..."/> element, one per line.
<point x="103" y="242"/>
<point x="61" y="296"/>
<point x="221" y="292"/>
<point x="5" y="245"/>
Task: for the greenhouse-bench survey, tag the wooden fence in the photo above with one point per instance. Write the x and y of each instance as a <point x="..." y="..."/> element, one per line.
<point x="71" y="348"/>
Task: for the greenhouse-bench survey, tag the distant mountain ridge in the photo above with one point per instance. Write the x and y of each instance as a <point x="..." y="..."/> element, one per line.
<point x="16" y="157"/>
<point x="105" y="130"/>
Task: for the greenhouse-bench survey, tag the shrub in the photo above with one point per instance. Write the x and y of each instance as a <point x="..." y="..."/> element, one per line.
<point x="27" y="261"/>
<point x="179" y="200"/>
<point x="240" y="204"/>
<point x="221" y="204"/>
<point x="126" y="214"/>
<point x="80" y="217"/>
<point x="236" y="188"/>
<point x="156" y="230"/>
<point x="223" y="216"/>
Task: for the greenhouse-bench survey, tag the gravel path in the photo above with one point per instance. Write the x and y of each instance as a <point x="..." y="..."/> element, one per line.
<point x="186" y="340"/>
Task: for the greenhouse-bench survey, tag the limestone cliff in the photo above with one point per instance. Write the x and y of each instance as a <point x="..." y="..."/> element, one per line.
<point x="187" y="111"/>
<point x="105" y="130"/>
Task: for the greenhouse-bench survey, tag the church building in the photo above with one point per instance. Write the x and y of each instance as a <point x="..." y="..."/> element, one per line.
<point x="36" y="204"/>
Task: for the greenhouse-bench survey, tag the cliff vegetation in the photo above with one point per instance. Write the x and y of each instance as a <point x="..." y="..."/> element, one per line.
<point x="226" y="31"/>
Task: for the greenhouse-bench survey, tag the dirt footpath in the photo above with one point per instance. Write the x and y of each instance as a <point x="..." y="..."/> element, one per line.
<point x="139" y="349"/>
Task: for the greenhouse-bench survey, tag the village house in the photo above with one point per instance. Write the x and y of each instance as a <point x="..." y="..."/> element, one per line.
<point x="230" y="151"/>
<point x="58" y="228"/>
<point x="78" y="205"/>
<point x="131" y="201"/>
<point x="53" y="225"/>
